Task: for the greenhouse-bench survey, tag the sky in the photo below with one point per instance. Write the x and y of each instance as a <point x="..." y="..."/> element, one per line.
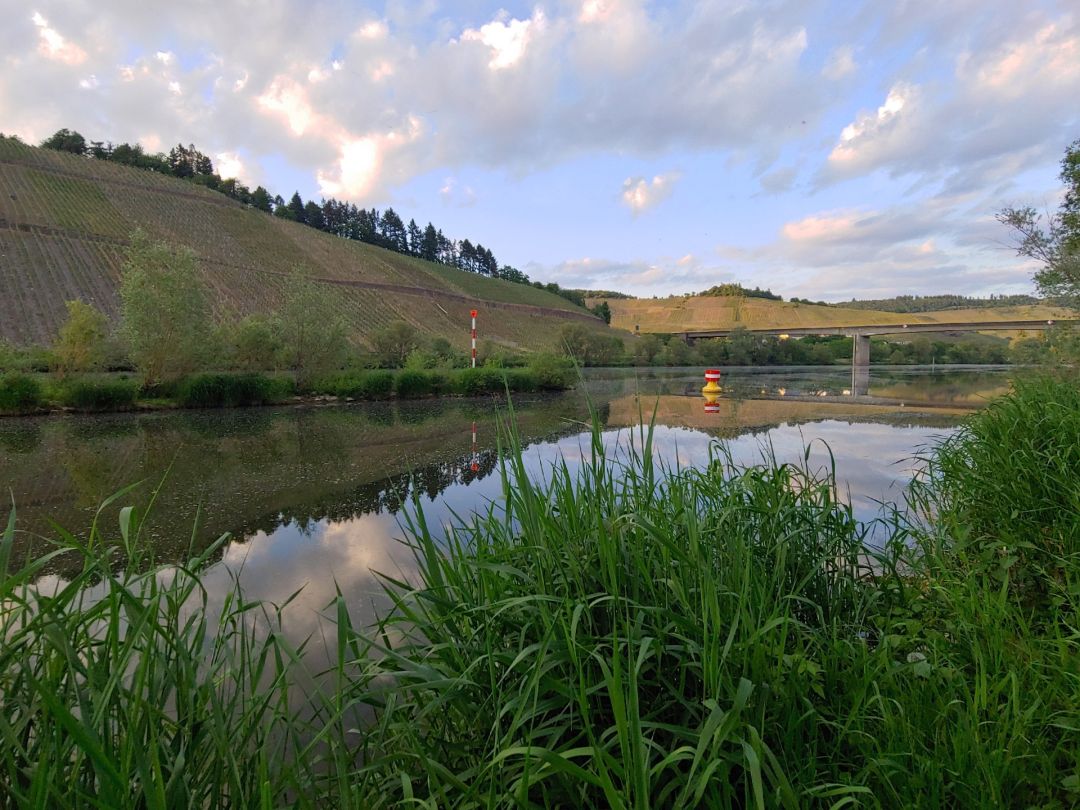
<point x="822" y="149"/>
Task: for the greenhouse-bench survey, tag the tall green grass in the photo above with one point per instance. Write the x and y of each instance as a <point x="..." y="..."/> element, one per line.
<point x="132" y="686"/>
<point x="623" y="636"/>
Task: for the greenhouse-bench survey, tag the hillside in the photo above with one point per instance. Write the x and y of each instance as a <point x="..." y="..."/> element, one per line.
<point x="680" y="314"/>
<point x="65" y="221"/>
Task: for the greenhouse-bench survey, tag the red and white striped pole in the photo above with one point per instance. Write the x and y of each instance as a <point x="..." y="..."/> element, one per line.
<point x="473" y="313"/>
<point x="475" y="461"/>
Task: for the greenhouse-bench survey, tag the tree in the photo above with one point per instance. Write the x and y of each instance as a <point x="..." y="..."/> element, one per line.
<point x="1057" y="247"/>
<point x="602" y="310"/>
<point x="296" y="208"/>
<point x="429" y="245"/>
<point x="313" y="215"/>
<point x="392" y="230"/>
<point x="416" y="238"/>
<point x="256" y="343"/>
<point x="587" y="347"/>
<point x="395" y="343"/>
<point x="313" y="337"/>
<point x="165" y="312"/>
<point x="66" y="140"/>
<point x="81" y="344"/>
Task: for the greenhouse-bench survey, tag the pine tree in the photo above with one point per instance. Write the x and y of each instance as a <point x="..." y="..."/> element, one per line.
<point x="260" y="198"/>
<point x="313" y="215"/>
<point x="296" y="208"/>
<point x="415" y="238"/>
<point x="429" y="246"/>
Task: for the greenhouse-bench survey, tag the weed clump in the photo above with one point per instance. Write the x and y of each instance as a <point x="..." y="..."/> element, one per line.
<point x="19" y="393"/>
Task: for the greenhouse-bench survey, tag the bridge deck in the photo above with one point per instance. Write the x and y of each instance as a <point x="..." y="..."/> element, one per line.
<point x="865" y="330"/>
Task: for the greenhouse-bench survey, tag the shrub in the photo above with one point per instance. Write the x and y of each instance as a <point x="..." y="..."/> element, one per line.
<point x="411" y="384"/>
<point x="232" y="390"/>
<point x="357" y="385"/>
<point x="522" y="380"/>
<point x="474" y="382"/>
<point x="19" y="393"/>
<point x="98" y="395"/>
<point x="552" y="373"/>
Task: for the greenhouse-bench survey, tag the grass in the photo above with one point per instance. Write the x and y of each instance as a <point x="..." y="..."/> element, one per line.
<point x="625" y="636"/>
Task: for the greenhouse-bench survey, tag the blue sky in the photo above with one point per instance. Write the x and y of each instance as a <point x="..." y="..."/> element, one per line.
<point x="822" y="149"/>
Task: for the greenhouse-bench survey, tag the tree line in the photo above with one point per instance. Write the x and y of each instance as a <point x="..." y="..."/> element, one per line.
<point x="386" y="229"/>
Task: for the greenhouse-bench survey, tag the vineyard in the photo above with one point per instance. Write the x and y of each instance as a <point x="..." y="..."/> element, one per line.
<point x="690" y="313"/>
<point x="65" y="222"/>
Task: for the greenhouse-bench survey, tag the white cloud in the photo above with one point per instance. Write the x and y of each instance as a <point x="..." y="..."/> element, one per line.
<point x="507" y="39"/>
<point x="53" y="46"/>
<point x="873" y="135"/>
<point x="640" y="194"/>
<point x="1004" y="100"/>
<point x="663" y="276"/>
<point x="841" y="63"/>
<point x="230" y="164"/>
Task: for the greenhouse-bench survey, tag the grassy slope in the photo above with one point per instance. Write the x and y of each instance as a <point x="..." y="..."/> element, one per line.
<point x="687" y="314"/>
<point x="64" y="221"/>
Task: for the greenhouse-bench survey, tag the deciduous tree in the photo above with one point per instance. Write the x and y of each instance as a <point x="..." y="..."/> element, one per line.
<point x="313" y="337"/>
<point x="66" y="140"/>
<point x="81" y="344"/>
<point x="165" y="312"/>
<point x="395" y="343"/>
<point x="1055" y="245"/>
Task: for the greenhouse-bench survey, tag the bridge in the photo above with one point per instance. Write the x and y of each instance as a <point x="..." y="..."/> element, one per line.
<point x="860" y="355"/>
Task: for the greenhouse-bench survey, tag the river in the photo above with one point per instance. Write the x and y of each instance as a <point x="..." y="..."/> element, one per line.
<point x="312" y="496"/>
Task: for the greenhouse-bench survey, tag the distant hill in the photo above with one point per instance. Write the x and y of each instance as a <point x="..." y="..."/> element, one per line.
<point x="690" y="313"/>
<point x="65" y="221"/>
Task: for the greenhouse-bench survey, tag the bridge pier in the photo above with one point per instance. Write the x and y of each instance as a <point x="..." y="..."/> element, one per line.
<point x="860" y="352"/>
<point x="860" y="381"/>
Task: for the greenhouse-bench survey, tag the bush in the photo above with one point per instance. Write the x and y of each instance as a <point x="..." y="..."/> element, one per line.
<point x="411" y="384"/>
<point x="19" y="393"/>
<point x="474" y="382"/>
<point x="232" y="390"/>
<point x="522" y="380"/>
<point x="358" y="385"/>
<point x="552" y="373"/>
<point x="98" y="395"/>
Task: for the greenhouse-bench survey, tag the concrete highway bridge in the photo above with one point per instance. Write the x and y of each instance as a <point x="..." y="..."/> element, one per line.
<point x="860" y="355"/>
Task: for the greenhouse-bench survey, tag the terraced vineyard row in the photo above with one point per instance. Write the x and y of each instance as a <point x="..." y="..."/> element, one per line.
<point x="64" y="222"/>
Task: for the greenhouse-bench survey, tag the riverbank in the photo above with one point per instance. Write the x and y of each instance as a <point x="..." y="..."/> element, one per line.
<point x="29" y="394"/>
<point x="628" y="636"/>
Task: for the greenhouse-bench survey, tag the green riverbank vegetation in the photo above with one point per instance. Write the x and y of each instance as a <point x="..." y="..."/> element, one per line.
<point x="623" y="636"/>
<point x="170" y="351"/>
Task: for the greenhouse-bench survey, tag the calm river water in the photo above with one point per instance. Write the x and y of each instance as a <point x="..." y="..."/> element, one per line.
<point x="313" y="496"/>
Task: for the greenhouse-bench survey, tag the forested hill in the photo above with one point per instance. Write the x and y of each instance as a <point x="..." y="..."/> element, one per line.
<point x="65" y="222"/>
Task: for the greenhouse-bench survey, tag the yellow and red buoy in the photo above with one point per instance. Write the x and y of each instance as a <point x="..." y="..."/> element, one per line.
<point x="712" y="390"/>
<point x="712" y="381"/>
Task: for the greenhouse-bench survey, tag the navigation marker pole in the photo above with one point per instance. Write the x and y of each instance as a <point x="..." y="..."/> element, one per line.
<point x="473" y="313"/>
<point x="475" y="462"/>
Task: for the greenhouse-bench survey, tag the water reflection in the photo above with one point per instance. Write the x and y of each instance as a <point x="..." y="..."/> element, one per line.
<point x="314" y="497"/>
<point x="274" y="477"/>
